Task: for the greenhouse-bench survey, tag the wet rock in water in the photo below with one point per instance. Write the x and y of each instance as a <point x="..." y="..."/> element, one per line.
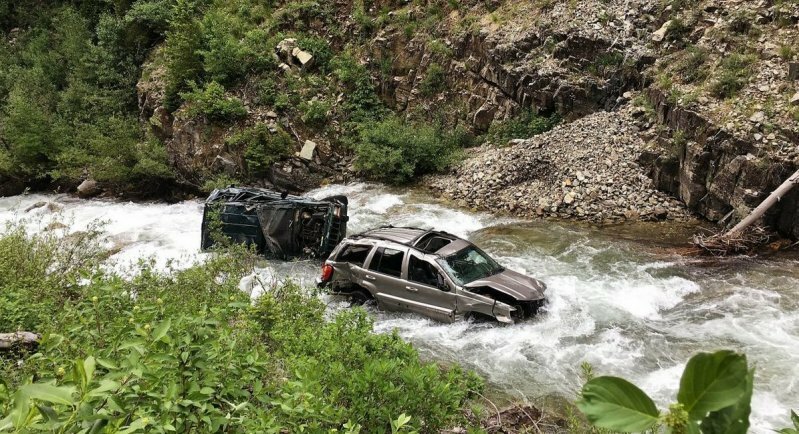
<point x="35" y="205"/>
<point x="88" y="188"/>
<point x="53" y="226"/>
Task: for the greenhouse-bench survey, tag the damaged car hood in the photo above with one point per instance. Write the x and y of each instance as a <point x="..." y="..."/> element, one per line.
<point x="514" y="284"/>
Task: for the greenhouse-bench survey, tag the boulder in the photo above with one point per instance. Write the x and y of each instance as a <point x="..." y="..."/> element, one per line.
<point x="660" y="34"/>
<point x="795" y="99"/>
<point x="285" y="48"/>
<point x="308" y="150"/>
<point x="303" y="58"/>
<point x="484" y="116"/>
<point x="88" y="188"/>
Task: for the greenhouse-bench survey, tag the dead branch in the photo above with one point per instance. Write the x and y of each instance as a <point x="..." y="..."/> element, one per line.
<point x="18" y="339"/>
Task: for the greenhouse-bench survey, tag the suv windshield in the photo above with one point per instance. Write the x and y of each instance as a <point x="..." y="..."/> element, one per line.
<point x="468" y="265"/>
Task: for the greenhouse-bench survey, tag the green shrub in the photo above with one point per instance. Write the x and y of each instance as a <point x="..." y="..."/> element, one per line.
<point x="218" y="182"/>
<point x="361" y="103"/>
<point x="182" y="351"/>
<point x="225" y="59"/>
<point x="434" y="82"/>
<point x="319" y="48"/>
<point x="734" y="73"/>
<point x="395" y="151"/>
<point x="315" y="112"/>
<point x="212" y="103"/>
<point x="438" y="48"/>
<point x="678" y="30"/>
<point x="692" y="66"/>
<point x="262" y="147"/>
<point x="524" y="125"/>
<point x="182" y="50"/>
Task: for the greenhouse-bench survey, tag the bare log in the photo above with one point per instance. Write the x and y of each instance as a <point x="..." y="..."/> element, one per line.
<point x="761" y="209"/>
<point x="18" y="339"/>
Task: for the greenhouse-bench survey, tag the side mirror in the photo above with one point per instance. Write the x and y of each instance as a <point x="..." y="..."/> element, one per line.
<point x="441" y="283"/>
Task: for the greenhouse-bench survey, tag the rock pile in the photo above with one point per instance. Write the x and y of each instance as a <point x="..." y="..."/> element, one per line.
<point x="582" y="170"/>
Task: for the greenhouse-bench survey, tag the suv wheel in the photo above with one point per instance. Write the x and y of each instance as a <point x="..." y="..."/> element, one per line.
<point x="359" y="297"/>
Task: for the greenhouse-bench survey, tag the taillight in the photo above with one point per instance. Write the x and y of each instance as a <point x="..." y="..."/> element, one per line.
<point x="327" y="272"/>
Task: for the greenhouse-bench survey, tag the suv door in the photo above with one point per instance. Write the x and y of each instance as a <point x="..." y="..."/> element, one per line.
<point x="383" y="278"/>
<point x="422" y="281"/>
<point x="349" y="265"/>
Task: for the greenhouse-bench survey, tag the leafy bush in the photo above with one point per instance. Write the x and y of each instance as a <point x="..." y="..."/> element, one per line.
<point x="225" y="59"/>
<point x="212" y="103"/>
<point x="396" y="151"/>
<point x="735" y="71"/>
<point x="315" y="112"/>
<point x="435" y="81"/>
<point x="186" y="351"/>
<point x="714" y="397"/>
<point x="692" y="66"/>
<point x="319" y="48"/>
<point x="262" y="147"/>
<point x="361" y="102"/>
<point x="524" y="125"/>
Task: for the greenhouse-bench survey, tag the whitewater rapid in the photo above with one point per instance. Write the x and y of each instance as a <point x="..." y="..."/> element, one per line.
<point x="628" y="308"/>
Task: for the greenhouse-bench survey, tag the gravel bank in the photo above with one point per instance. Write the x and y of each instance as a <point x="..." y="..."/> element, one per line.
<point x="584" y="170"/>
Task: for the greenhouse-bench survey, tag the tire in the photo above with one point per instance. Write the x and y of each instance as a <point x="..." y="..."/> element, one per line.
<point x="359" y="297"/>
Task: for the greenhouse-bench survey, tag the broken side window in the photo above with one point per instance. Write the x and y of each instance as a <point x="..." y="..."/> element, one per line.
<point x="387" y="261"/>
<point x="421" y="271"/>
<point x="354" y="254"/>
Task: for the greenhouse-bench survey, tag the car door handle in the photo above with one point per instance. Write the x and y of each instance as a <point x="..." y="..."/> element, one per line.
<point x="412" y="289"/>
<point x="370" y="277"/>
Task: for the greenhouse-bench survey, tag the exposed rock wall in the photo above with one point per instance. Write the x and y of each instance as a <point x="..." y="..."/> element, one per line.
<point x="716" y="173"/>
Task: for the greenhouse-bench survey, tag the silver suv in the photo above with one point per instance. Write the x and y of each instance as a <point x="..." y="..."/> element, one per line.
<point x="430" y="272"/>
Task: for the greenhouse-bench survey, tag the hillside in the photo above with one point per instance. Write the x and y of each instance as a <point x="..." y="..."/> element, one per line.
<point x="160" y="97"/>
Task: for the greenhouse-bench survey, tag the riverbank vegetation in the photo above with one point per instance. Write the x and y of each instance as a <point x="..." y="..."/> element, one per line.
<point x="180" y="351"/>
<point x="79" y="82"/>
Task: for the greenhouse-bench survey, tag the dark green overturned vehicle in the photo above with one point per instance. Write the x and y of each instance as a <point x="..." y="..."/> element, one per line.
<point x="279" y="225"/>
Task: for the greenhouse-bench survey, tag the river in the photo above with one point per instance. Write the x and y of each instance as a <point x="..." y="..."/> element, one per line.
<point x="619" y="297"/>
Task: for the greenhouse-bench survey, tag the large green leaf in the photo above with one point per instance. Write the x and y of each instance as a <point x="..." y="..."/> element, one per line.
<point x="712" y="381"/>
<point x="733" y="419"/>
<point x="49" y="393"/>
<point x="162" y="329"/>
<point x="617" y="404"/>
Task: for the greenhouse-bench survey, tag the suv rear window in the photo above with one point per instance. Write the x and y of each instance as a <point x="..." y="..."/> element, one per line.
<point x="387" y="261"/>
<point x="354" y="254"/>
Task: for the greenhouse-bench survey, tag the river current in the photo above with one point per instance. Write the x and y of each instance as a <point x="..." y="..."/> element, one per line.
<point x="619" y="297"/>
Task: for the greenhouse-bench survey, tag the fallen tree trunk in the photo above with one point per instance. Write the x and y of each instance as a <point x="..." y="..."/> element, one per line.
<point x="761" y="209"/>
<point x="745" y="238"/>
<point x="18" y="339"/>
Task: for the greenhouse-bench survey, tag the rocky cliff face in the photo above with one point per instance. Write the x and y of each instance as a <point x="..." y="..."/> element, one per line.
<point x="694" y="99"/>
<point x="713" y="133"/>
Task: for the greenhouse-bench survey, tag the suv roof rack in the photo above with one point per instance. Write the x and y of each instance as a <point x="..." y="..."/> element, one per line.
<point x="411" y="235"/>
